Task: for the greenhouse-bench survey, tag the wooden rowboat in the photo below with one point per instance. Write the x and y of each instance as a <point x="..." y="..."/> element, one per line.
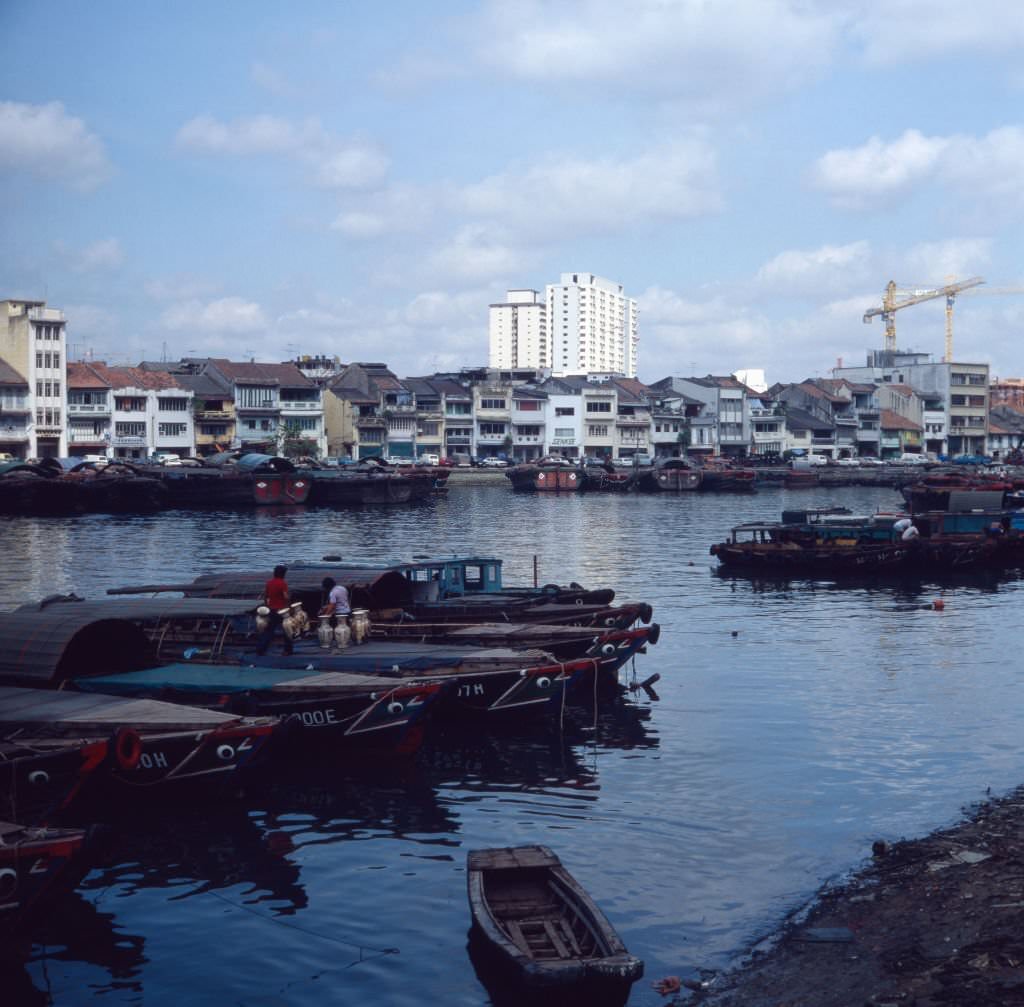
<point x="539" y="920"/>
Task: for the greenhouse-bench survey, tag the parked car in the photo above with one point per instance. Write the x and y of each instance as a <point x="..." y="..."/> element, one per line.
<point x="848" y="462"/>
<point x="493" y="463"/>
<point x="818" y="459"/>
<point x="870" y="460"/>
<point x="430" y="459"/>
<point x="910" y="458"/>
<point x="165" y="458"/>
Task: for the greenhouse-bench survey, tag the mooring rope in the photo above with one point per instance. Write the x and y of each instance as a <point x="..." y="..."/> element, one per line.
<point x="361" y="948"/>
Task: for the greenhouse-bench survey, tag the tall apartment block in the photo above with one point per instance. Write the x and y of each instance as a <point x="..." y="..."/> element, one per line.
<point x="518" y="331"/>
<point x="583" y="325"/>
<point x="593" y="326"/>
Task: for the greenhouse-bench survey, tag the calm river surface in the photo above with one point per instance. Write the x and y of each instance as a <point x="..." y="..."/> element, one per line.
<point x="796" y="723"/>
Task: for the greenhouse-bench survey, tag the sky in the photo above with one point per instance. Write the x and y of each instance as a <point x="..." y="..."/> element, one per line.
<point x="362" y="180"/>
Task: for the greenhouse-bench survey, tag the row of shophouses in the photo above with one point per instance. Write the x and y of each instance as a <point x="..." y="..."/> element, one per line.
<point x="897" y="403"/>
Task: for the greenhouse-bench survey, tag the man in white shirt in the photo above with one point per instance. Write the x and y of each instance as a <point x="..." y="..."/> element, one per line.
<point x="337" y="600"/>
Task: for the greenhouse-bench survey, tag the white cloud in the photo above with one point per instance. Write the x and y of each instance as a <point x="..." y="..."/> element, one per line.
<point x="594" y="195"/>
<point x="229" y="315"/>
<point x="333" y="162"/>
<point x="901" y="31"/>
<point x="830" y="267"/>
<point x="688" y="49"/>
<point x="981" y="168"/>
<point x="934" y="261"/>
<point x="477" y="252"/>
<point x="45" y="141"/>
<point x="858" y="177"/>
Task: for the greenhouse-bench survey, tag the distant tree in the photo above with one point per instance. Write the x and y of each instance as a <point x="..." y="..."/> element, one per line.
<point x="291" y="443"/>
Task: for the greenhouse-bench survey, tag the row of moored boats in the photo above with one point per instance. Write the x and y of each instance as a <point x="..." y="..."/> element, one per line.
<point x="161" y="687"/>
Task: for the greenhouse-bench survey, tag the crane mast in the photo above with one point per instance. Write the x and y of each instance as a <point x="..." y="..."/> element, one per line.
<point x="894" y="299"/>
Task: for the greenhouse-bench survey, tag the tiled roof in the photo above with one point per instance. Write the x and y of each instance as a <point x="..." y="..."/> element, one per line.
<point x="246" y="372"/>
<point x="82" y="374"/>
<point x="133" y="377"/>
<point x="9" y="376"/>
<point x="889" y="420"/>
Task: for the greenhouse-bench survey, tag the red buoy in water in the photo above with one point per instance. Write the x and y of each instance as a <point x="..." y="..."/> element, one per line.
<point x="938" y="604"/>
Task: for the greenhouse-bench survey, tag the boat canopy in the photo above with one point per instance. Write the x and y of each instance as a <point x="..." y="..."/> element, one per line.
<point x="44" y="648"/>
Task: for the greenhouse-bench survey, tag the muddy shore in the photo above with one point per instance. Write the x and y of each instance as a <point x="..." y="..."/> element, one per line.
<point x="931" y="921"/>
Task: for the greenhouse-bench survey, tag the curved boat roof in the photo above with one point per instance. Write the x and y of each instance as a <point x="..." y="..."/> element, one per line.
<point x="45" y="647"/>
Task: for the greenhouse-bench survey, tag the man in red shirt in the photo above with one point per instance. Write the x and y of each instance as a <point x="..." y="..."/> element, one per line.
<point x="277" y="599"/>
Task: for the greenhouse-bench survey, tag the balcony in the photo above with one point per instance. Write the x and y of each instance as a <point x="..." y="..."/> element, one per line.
<point x="761" y="413"/>
<point x="458" y="441"/>
<point x="45" y="315"/>
<point x="632" y="421"/>
<point x="89" y="408"/>
<point x="490" y="438"/>
<point x="830" y="439"/>
<point x="404" y="409"/>
<point x="528" y="438"/>
<point x="87" y="436"/>
<point x="371" y="423"/>
<point x="8" y="434"/>
<point x="214" y="414"/>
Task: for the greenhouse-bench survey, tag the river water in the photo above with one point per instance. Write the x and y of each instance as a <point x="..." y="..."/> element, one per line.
<point x="795" y="723"/>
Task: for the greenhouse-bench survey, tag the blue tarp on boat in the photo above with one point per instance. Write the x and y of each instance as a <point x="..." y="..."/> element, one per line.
<point x="187" y="677"/>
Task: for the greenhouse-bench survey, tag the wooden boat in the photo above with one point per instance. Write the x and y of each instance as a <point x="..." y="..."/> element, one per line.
<point x="669" y="475"/>
<point x="726" y="479"/>
<point x="40" y="777"/>
<point x="36" y="866"/>
<point x="550" y="474"/>
<point x="834" y="544"/>
<point x="251" y="480"/>
<point x="543" y="925"/>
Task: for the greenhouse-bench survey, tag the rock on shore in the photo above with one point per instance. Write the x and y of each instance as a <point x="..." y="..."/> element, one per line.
<point x="933" y="921"/>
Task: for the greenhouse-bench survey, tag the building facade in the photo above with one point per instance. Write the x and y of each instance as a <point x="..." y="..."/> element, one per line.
<point x="518" y="331"/>
<point x="34" y="343"/>
<point x="593" y="326"/>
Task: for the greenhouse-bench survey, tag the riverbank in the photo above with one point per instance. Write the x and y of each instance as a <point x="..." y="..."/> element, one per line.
<point x="931" y="921"/>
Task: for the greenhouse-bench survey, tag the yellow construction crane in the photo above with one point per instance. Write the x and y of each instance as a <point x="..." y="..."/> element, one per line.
<point x="894" y="299"/>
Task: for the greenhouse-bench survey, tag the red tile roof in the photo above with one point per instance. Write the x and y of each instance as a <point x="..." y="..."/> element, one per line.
<point x="82" y="374"/>
<point x="247" y="372"/>
<point x="133" y="377"/>
<point x="893" y="421"/>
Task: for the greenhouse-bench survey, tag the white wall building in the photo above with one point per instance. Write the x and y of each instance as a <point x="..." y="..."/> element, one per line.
<point x="593" y="326"/>
<point x="518" y="331"/>
<point x="33" y="342"/>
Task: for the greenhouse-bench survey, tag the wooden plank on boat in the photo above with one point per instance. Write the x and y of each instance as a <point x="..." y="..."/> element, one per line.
<point x="66" y="712"/>
<point x="511" y="858"/>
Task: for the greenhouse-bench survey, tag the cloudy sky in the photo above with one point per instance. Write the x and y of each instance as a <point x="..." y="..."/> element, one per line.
<point x="363" y="179"/>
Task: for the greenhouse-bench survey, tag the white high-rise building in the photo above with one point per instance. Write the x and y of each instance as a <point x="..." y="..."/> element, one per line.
<point x="593" y="326"/>
<point x="518" y="331"/>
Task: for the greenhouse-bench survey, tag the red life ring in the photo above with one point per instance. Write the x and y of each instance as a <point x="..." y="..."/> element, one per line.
<point x="127" y="747"/>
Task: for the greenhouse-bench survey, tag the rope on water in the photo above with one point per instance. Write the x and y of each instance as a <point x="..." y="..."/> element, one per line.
<point x="361" y="948"/>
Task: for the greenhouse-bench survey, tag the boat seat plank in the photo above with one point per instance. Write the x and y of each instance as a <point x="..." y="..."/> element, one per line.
<point x="556" y="940"/>
<point x="518" y="939"/>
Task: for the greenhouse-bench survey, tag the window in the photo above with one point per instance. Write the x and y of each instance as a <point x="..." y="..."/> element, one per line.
<point x="172" y="429"/>
<point x="565" y="411"/>
<point x="597" y="430"/>
<point x="47" y="360"/>
<point x="48" y="388"/>
<point x="429" y="429"/>
<point x="174" y="405"/>
<point x="492" y="403"/>
<point x="492" y="429"/>
<point x="527" y="405"/>
<point x="565" y="432"/>
<point x="130" y="429"/>
<point x="39" y="359"/>
<point x="56" y="388"/>
<point x="39" y="389"/>
<point x="599" y="407"/>
<point x="528" y="430"/>
<point x="213" y="429"/>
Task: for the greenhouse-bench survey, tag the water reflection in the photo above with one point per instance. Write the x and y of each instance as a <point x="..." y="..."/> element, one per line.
<point x="798" y="720"/>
